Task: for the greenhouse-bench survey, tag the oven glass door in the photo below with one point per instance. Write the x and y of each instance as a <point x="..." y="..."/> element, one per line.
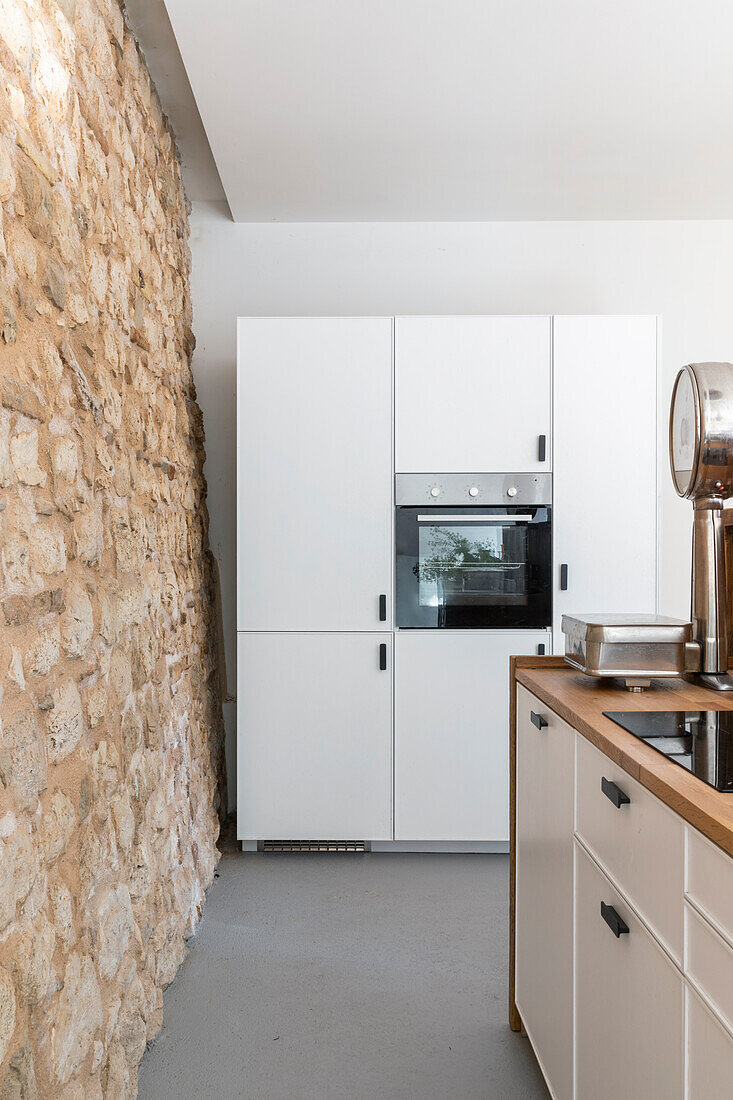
<point x="473" y="567"/>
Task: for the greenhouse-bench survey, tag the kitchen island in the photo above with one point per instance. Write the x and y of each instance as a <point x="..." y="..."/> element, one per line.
<point x="621" y="954"/>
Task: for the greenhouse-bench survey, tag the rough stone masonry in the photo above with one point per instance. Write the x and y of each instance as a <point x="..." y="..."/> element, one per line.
<point x="110" y="740"/>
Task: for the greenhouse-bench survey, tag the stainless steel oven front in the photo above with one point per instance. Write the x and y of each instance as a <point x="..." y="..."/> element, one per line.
<point x="473" y="550"/>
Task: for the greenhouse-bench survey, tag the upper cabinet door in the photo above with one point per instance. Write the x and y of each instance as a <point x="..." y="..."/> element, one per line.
<point x="472" y="394"/>
<point x="605" y="466"/>
<point x="314" y="494"/>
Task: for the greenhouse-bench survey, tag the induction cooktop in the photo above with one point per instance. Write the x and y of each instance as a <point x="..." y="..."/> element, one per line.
<point x="699" y="740"/>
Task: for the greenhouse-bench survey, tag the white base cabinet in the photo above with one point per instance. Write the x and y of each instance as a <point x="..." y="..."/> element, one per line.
<point x="315" y="736"/>
<point x="451" y="722"/>
<point x="616" y="1002"/>
<point x="544" y="885"/>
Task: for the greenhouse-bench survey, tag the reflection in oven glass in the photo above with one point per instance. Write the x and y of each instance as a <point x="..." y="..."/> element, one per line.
<point x="461" y="565"/>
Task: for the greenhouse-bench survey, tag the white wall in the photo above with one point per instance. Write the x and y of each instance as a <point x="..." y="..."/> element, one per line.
<point x="681" y="270"/>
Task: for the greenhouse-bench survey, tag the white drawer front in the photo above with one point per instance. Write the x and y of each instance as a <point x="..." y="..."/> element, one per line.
<point x="709" y="1053"/>
<point x="710" y="880"/>
<point x="640" y="843"/>
<point x="629" y="1000"/>
<point x="709" y="964"/>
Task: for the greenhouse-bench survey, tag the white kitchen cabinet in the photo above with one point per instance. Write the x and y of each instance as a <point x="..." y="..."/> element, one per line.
<point x="629" y="999"/>
<point x="709" y="881"/>
<point x="645" y="1019"/>
<point x="314" y="515"/>
<point x="318" y="447"/>
<point x="472" y="394"/>
<point x="314" y="721"/>
<point x="639" y="842"/>
<point x="709" y="1053"/>
<point x="544" y="888"/>
<point x="604" y="466"/>
<point x="451" y="732"/>
<point x="709" y="964"/>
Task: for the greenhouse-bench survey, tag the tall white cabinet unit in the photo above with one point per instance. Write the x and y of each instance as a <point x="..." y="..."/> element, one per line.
<point x="605" y="466"/>
<point x="314" y="578"/>
<point x="350" y="728"/>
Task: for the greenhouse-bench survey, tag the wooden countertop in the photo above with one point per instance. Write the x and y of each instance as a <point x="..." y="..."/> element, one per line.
<point x="581" y="700"/>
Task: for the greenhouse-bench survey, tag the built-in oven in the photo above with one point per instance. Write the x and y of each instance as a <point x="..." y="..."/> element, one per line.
<point x="473" y="550"/>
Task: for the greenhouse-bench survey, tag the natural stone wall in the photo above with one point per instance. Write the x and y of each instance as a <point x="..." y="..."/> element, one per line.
<point x="110" y="743"/>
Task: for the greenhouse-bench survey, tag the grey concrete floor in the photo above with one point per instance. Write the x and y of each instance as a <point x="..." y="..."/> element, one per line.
<point x="346" y="977"/>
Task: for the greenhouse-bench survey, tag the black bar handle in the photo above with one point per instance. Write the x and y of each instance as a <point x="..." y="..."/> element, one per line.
<point x="616" y="795"/>
<point x="542" y="448"/>
<point x="540" y="648"/>
<point x="383" y="609"/>
<point x="563" y="578"/>
<point x="618" y="926"/>
<point x="383" y="657"/>
<point x="537" y="720"/>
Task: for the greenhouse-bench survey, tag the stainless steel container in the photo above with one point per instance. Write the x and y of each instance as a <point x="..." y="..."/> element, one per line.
<point x="635" y="648"/>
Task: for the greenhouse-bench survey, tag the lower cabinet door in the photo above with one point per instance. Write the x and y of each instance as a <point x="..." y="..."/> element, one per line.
<point x="709" y="1053"/>
<point x="544" y="888"/>
<point x="452" y="733"/>
<point x="314" y="736"/>
<point x="629" y="999"/>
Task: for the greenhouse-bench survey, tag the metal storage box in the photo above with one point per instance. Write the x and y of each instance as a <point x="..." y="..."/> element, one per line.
<point x="633" y="646"/>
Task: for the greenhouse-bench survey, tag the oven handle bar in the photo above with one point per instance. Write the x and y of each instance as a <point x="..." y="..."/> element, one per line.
<point x="474" y="519"/>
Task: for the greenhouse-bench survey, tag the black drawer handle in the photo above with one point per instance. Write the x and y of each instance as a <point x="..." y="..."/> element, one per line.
<point x="616" y="795"/>
<point x="383" y="609"/>
<point x="537" y="720"/>
<point x="383" y="657"/>
<point x="618" y="926"/>
<point x="540" y="648"/>
<point x="542" y="448"/>
<point x="563" y="578"/>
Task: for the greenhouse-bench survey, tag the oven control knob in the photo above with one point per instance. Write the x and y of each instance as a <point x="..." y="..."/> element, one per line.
<point x="435" y="491"/>
<point x="473" y="491"/>
<point x="511" y="491"/>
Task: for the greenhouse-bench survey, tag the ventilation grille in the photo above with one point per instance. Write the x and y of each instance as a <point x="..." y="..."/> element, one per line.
<point x="313" y="846"/>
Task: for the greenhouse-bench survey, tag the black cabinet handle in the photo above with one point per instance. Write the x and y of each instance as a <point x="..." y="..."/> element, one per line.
<point x="383" y="657"/>
<point x="616" y="795"/>
<point x="537" y="720"/>
<point x="383" y="609"/>
<point x="563" y="578"/>
<point x="540" y="647"/>
<point x="542" y="448"/>
<point x="618" y="926"/>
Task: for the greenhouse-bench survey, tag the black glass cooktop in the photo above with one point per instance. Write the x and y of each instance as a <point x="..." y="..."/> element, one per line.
<point x="699" y="740"/>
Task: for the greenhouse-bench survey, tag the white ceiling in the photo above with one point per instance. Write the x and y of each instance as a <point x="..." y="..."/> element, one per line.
<point x="461" y="110"/>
